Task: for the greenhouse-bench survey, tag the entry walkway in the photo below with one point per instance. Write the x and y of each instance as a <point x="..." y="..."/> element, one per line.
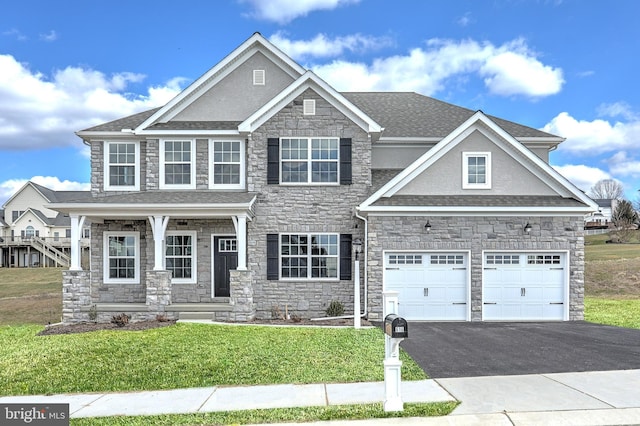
<point x="591" y="398"/>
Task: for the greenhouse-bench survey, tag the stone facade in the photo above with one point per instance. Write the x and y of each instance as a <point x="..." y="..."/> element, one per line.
<point x="303" y="208"/>
<point x="475" y="234"/>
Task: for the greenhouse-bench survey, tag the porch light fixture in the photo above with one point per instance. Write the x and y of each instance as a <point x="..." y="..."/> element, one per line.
<point x="427" y="226"/>
<point x="357" y="247"/>
<point x="527" y="228"/>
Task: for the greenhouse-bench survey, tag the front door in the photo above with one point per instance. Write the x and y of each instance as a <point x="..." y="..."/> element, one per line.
<point x="225" y="258"/>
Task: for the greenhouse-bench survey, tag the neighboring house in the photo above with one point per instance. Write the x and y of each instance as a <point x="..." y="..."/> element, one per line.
<point x="32" y="234"/>
<point x="602" y="218"/>
<point x="242" y="197"/>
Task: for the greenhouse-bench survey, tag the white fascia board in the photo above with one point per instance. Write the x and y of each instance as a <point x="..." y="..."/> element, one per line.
<point x="19" y="191"/>
<point x="472" y="211"/>
<point x="309" y="81"/>
<point x="390" y="140"/>
<point x="187" y="133"/>
<point x="144" y="210"/>
<point x="223" y="68"/>
<point x="26" y="213"/>
<point x="98" y="134"/>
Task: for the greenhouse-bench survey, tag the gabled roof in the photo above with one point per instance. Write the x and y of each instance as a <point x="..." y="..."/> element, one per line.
<point x="51" y="195"/>
<point x="255" y="43"/>
<point x="310" y="81"/>
<point x="411" y="115"/>
<point x="37" y="213"/>
<point x="564" y="188"/>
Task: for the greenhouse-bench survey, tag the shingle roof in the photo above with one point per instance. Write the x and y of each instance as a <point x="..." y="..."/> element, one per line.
<point x="173" y="197"/>
<point x="479" y="201"/>
<point x="402" y="114"/>
<point x="406" y="114"/>
<point x="61" y="196"/>
<point x="129" y="122"/>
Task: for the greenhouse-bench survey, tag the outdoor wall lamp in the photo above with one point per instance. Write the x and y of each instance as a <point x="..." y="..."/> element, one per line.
<point x="357" y="247"/>
<point x="427" y="226"/>
<point x="527" y="228"/>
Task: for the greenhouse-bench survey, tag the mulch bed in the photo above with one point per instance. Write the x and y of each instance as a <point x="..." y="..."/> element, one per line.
<point x="146" y="325"/>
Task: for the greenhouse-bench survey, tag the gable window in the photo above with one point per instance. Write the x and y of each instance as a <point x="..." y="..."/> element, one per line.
<point x="177" y="168"/>
<point x="122" y="257"/>
<point x="309" y="160"/>
<point x="227" y="165"/>
<point x="309" y="256"/>
<point x="476" y="170"/>
<point x="122" y="164"/>
<point x="16" y="214"/>
<point x="180" y="256"/>
<point x="259" y="78"/>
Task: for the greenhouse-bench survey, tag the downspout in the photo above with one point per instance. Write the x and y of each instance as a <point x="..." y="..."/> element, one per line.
<point x="365" y="251"/>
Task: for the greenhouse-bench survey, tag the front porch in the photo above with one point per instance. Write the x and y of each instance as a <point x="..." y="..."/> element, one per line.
<point x="78" y="306"/>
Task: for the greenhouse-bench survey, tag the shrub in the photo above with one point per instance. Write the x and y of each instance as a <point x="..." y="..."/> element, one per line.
<point x="335" y="309"/>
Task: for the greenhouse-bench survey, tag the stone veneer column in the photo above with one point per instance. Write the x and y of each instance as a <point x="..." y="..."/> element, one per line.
<point x="76" y="293"/>
<point x="241" y="296"/>
<point x="158" y="292"/>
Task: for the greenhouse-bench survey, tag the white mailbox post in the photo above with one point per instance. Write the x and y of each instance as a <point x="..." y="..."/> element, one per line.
<point x="396" y="330"/>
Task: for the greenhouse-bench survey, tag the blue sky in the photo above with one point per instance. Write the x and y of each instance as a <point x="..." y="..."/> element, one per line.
<point x="565" y="66"/>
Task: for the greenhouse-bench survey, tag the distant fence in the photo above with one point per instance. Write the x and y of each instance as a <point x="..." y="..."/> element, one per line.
<point x="596" y="231"/>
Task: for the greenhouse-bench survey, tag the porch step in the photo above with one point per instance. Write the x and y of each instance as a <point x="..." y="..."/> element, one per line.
<point x="195" y="316"/>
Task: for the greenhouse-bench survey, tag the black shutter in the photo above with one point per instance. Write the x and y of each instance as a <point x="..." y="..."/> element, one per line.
<point x="345" y="256"/>
<point x="273" y="161"/>
<point x="272" y="257"/>
<point x="345" y="161"/>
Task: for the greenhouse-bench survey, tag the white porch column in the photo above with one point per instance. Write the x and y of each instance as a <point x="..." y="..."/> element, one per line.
<point x="77" y="222"/>
<point x="159" y="229"/>
<point x="240" y="223"/>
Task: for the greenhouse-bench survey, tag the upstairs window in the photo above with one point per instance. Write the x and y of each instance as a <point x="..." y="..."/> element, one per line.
<point x="309" y="160"/>
<point x="177" y="164"/>
<point x="227" y="165"/>
<point x="122" y="165"/>
<point x="476" y="170"/>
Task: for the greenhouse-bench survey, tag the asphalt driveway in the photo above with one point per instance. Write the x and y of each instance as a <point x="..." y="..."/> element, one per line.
<point x="497" y="349"/>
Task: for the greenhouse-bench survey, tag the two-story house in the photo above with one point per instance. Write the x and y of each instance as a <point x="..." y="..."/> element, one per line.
<point x="243" y="195"/>
<point x="32" y="234"/>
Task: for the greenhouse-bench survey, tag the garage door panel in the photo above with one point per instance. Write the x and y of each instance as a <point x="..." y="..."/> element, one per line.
<point x="525" y="287"/>
<point x="435" y="288"/>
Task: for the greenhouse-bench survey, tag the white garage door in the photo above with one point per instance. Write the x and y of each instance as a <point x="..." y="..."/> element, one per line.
<point x="431" y="286"/>
<point x="524" y="286"/>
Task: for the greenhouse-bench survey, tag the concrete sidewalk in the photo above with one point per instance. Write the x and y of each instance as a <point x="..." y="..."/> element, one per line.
<point x="592" y="398"/>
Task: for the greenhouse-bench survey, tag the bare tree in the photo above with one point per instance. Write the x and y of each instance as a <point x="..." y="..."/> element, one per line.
<point x="606" y="189"/>
<point x="625" y="219"/>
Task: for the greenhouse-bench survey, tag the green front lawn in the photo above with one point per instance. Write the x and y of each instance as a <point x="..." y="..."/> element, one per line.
<point x="618" y="312"/>
<point x="189" y="355"/>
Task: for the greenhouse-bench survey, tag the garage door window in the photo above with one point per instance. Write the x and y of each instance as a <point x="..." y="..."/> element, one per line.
<point x="405" y="259"/>
<point x="503" y="259"/>
<point x="447" y="259"/>
<point x="544" y="259"/>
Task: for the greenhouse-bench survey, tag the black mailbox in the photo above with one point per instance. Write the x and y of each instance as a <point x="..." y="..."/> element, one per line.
<point x="396" y="327"/>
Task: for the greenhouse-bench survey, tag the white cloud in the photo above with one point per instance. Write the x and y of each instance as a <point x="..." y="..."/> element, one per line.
<point x="49" y="37"/>
<point x="9" y="187"/>
<point x="322" y="46"/>
<point x="594" y="137"/>
<point x="507" y="70"/>
<point x="621" y="164"/>
<point x="284" y="11"/>
<point x="37" y="111"/>
<point x="14" y="32"/>
<point x="584" y="177"/>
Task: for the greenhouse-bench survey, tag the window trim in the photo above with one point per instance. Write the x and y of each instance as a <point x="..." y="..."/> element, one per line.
<point x="309" y="107"/>
<point x="194" y="256"/>
<point x="310" y="257"/>
<point x="465" y="170"/>
<point x="136" y="167"/>
<point x="259" y="77"/>
<point x="192" y="162"/>
<point x="309" y="161"/>
<point x="243" y="162"/>
<point x="105" y="257"/>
